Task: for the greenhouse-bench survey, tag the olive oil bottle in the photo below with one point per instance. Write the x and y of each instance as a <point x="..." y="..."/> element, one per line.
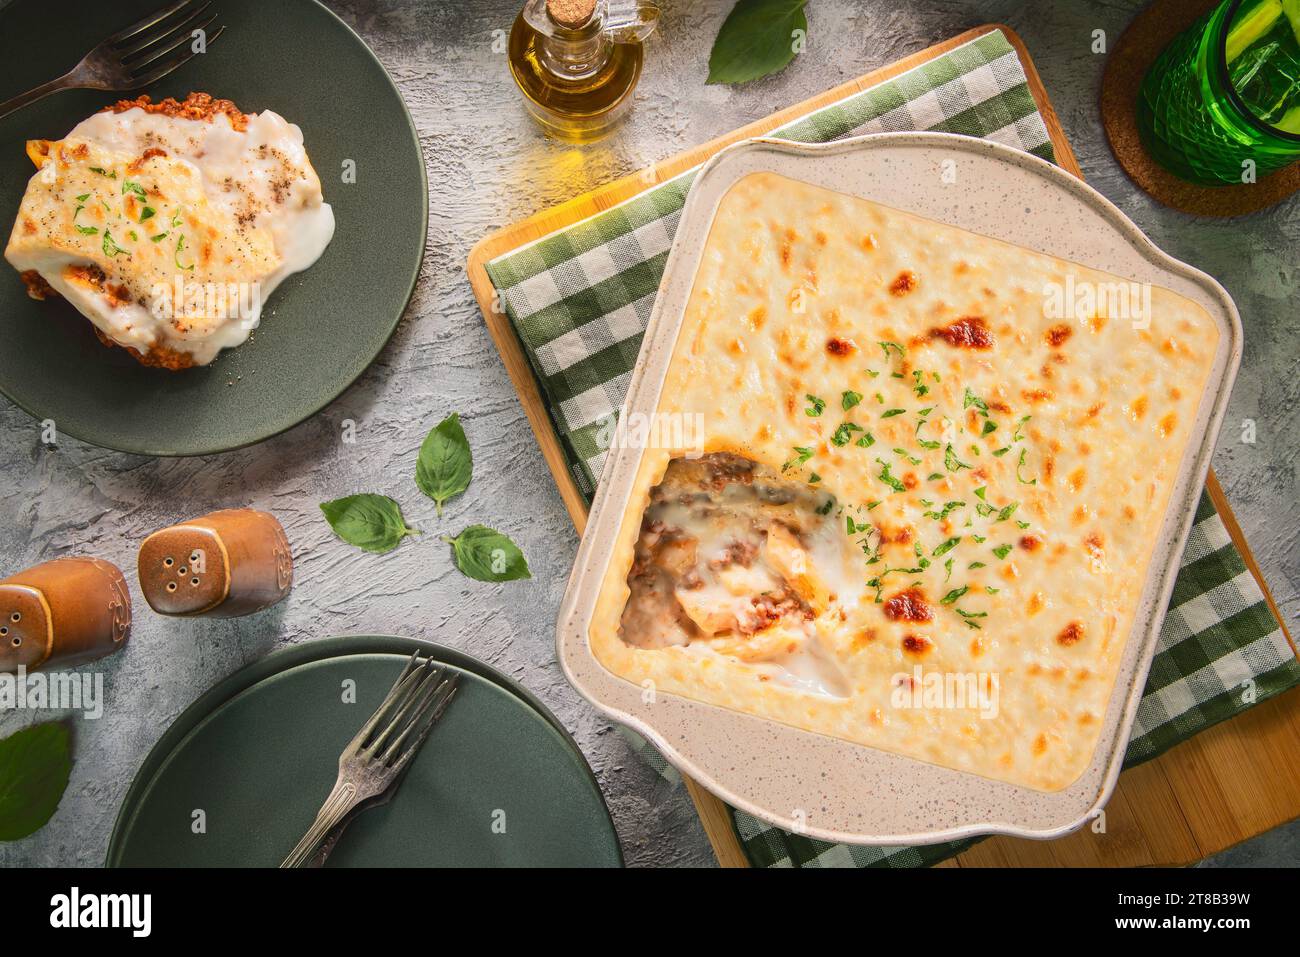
<point x="578" y="61"/>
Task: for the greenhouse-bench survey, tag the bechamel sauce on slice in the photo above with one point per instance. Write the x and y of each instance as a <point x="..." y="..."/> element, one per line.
<point x="258" y="160"/>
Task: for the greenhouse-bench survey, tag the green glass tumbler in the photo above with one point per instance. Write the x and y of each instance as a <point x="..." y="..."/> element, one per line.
<point x="1221" y="104"/>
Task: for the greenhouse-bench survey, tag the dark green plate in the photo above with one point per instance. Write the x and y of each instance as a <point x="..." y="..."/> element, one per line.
<point x="321" y="328"/>
<point x="498" y="783"/>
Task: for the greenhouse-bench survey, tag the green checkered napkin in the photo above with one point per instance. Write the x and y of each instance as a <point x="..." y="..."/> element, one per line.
<point x="579" y="301"/>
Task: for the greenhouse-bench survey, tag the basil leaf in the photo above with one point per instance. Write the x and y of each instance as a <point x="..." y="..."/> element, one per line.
<point x="756" y="39"/>
<point x="372" y="522"/>
<point x="445" y="464"/>
<point x="34" y="767"/>
<point x="486" y="555"/>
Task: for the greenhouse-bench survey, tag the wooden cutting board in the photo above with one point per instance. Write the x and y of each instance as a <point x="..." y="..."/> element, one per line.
<point x="1215" y="790"/>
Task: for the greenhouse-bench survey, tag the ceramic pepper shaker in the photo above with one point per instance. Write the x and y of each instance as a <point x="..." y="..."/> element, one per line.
<point x="226" y="564"/>
<point x="63" y="612"/>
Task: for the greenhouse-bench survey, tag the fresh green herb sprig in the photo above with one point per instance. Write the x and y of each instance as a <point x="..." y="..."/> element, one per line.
<point x="758" y="38"/>
<point x="443" y="470"/>
<point x="35" y="764"/>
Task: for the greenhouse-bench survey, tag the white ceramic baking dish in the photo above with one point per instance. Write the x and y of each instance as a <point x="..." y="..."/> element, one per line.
<point x="825" y="787"/>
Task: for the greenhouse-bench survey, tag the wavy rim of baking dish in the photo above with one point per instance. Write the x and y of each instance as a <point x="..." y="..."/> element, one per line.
<point x="576" y="609"/>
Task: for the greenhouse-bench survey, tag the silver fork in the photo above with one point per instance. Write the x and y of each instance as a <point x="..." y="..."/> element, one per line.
<point x="374" y="762"/>
<point x="135" y="56"/>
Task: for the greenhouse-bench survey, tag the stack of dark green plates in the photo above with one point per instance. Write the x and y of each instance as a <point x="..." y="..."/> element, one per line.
<point x="239" y="777"/>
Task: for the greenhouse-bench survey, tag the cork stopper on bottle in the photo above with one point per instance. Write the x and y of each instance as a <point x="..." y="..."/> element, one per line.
<point x="571" y="14"/>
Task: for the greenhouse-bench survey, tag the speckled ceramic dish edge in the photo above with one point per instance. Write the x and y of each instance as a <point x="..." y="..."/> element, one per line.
<point x="824" y="787"/>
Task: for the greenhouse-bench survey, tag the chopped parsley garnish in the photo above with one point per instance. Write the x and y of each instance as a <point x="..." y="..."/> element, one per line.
<point x="989" y="426"/>
<point x="147" y="213"/>
<point x="968" y="616"/>
<point x="83" y="197"/>
<point x="1019" y="477"/>
<point x="1019" y="433"/>
<point x="87" y="230"/>
<point x="951" y="462"/>
<point x="888" y="478"/>
<point x="911" y="459"/>
<point x="975" y="565"/>
<point x="1002" y="551"/>
<point x="844" y="433"/>
<point x="130" y="186"/>
<point x="948" y="509"/>
<point x="979" y="493"/>
<point x="920" y="388"/>
<point x="180" y="248"/>
<point x="103" y="172"/>
<point x="953" y="595"/>
<point x="998" y="453"/>
<point x="816" y="406"/>
<point x="159" y="238"/>
<point x="946" y="547"/>
<point x="826" y="506"/>
<point x="852" y="527"/>
<point x="814" y="478"/>
<point x="111" y="249"/>
<point x="886" y="346"/>
<point x="972" y="399"/>
<point x="1007" y="512"/>
<point x="866" y="441"/>
<point x="802" y="455"/>
<point x="890" y="413"/>
<point x="849" y="399"/>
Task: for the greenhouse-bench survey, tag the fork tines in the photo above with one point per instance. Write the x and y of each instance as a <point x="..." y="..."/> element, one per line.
<point x="154" y="46"/>
<point x="413" y="706"/>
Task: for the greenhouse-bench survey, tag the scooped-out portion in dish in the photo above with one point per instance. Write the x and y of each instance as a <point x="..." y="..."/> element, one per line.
<point x="168" y="224"/>
<point x="937" y="469"/>
<point x="728" y="562"/>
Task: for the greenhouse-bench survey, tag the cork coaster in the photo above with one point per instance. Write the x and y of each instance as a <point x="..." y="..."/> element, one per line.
<point x="1148" y="34"/>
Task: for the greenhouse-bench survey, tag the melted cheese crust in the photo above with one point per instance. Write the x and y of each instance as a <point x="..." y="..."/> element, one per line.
<point x="168" y="224"/>
<point x="797" y="288"/>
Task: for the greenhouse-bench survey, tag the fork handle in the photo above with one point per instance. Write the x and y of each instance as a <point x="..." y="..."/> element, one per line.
<point x="31" y="96"/>
<point x="336" y="807"/>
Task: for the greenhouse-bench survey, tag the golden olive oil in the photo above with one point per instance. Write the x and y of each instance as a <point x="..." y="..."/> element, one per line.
<point x="578" y="80"/>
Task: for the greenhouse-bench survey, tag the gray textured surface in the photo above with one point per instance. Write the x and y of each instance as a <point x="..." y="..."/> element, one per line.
<point x="488" y="166"/>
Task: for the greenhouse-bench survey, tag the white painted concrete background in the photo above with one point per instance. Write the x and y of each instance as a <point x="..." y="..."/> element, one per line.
<point x="488" y="166"/>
